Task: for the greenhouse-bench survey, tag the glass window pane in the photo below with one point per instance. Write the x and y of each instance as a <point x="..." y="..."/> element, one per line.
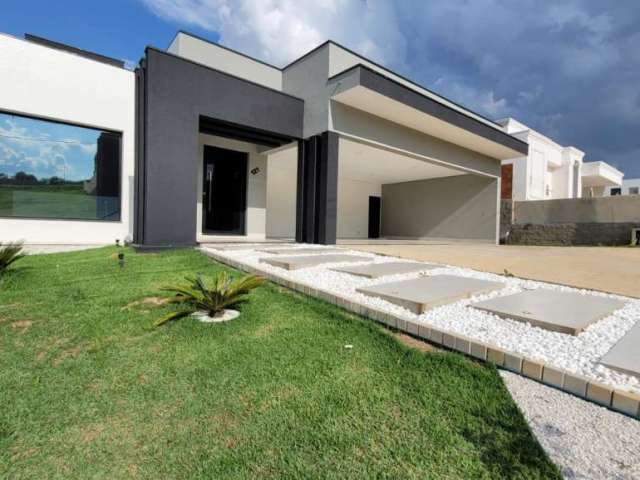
<point x="56" y="170"/>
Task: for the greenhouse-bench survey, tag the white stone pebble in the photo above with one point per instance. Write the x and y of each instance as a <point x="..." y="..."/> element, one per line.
<point x="578" y="354"/>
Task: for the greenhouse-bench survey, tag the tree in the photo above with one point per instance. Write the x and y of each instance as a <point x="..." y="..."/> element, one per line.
<point x="22" y="178"/>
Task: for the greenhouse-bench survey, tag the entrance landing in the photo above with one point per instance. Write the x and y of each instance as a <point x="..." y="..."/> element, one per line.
<point x="625" y="355"/>
<point x="307" y="261"/>
<point x="301" y="251"/>
<point x="230" y="248"/>
<point x="422" y="294"/>
<point x="377" y="270"/>
<point x="564" y="312"/>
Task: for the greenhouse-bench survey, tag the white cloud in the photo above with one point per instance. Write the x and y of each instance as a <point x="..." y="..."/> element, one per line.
<point x="484" y="101"/>
<point x="279" y="31"/>
<point x="38" y="153"/>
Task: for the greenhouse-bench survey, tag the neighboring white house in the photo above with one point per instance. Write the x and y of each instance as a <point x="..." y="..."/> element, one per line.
<point x="598" y="177"/>
<point x="630" y="186"/>
<point x="551" y="171"/>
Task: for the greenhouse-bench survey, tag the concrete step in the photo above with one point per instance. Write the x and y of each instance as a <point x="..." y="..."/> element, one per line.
<point x="554" y="310"/>
<point x="306" y="261"/>
<point x="625" y="355"/>
<point x="298" y="251"/>
<point x="237" y="246"/>
<point x="377" y="270"/>
<point x="421" y="294"/>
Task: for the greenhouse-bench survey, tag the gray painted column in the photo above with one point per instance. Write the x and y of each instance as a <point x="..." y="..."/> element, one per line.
<point x="328" y="189"/>
<point x="317" y="196"/>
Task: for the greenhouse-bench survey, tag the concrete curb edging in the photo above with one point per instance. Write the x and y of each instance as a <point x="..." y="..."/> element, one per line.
<point x="619" y="400"/>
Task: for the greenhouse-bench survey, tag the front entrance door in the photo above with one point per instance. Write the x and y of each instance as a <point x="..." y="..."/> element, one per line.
<point x="224" y="191"/>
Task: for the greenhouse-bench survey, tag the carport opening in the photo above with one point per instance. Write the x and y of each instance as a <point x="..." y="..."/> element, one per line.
<point x="417" y="199"/>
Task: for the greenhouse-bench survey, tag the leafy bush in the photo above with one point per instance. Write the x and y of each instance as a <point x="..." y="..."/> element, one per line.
<point x="198" y="296"/>
<point x="9" y="253"/>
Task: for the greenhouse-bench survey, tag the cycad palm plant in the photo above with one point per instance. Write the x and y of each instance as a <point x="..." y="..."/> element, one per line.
<point x="9" y="253"/>
<point x="197" y="296"/>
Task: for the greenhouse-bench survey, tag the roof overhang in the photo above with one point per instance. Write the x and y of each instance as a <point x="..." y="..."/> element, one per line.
<point x="364" y="89"/>
<point x="600" y="174"/>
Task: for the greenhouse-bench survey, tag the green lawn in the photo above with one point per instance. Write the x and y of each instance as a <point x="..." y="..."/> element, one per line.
<point x="90" y="390"/>
<point x="53" y="201"/>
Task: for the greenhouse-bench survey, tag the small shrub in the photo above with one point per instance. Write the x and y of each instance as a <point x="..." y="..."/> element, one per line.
<point x="198" y="296"/>
<point x="9" y="254"/>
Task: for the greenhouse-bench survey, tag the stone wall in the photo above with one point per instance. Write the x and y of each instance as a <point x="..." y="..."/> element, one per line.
<point x="565" y="234"/>
<point x="573" y="221"/>
<point x="506" y="218"/>
<point x="618" y="209"/>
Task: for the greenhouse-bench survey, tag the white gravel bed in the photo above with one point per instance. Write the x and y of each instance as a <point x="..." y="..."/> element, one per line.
<point x="577" y="354"/>
<point x="585" y="440"/>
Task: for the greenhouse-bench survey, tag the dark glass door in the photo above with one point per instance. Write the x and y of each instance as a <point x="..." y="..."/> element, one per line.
<point x="374" y="217"/>
<point x="224" y="191"/>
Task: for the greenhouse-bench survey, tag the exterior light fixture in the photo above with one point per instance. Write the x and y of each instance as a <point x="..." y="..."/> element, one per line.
<point x="121" y="260"/>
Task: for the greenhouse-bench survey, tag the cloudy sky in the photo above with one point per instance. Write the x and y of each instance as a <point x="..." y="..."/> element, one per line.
<point x="569" y="68"/>
<point x="46" y="149"/>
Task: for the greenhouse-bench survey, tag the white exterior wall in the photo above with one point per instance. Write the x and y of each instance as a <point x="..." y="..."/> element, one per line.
<point x="256" y="213"/>
<point x="220" y="58"/>
<point x="61" y="86"/>
<point x="353" y="207"/>
<point x="281" y="193"/>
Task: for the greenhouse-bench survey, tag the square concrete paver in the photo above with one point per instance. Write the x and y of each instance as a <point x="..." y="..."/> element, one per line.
<point x="625" y="355"/>
<point x="421" y="294"/>
<point x="376" y="270"/>
<point x="564" y="312"/>
<point x="298" y="251"/>
<point x="230" y="248"/>
<point x="306" y="261"/>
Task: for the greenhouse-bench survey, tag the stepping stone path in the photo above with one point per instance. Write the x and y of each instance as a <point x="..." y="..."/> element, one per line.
<point x="230" y="248"/>
<point x="298" y="251"/>
<point x="377" y="270"/>
<point x="564" y="312"/>
<point x="625" y="355"/>
<point x="424" y="293"/>
<point x="295" y="263"/>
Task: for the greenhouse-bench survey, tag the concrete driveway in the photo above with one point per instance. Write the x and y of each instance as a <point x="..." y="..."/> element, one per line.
<point x="608" y="269"/>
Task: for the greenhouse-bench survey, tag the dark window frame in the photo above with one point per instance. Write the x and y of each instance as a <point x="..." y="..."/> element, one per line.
<point x="78" y="125"/>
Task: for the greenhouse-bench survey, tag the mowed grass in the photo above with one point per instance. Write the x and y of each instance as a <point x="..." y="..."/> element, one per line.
<point x="89" y="389"/>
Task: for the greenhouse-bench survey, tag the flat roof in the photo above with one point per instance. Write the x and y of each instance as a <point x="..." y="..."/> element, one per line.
<point x="78" y="51"/>
<point x="433" y="95"/>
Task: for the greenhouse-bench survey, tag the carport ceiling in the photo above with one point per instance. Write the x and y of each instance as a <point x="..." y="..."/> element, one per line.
<point x="367" y="163"/>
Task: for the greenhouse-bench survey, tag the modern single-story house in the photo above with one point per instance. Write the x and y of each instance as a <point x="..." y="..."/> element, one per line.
<point x="551" y="171"/>
<point x="202" y="143"/>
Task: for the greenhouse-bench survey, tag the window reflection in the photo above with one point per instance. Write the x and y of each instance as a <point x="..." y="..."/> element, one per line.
<point x="60" y="171"/>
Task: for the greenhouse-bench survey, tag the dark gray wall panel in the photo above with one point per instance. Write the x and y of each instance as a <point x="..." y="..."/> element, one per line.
<point x="317" y="197"/>
<point x="328" y="189"/>
<point x="178" y="92"/>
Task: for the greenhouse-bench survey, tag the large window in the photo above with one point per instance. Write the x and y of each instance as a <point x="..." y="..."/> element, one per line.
<point x="56" y="170"/>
